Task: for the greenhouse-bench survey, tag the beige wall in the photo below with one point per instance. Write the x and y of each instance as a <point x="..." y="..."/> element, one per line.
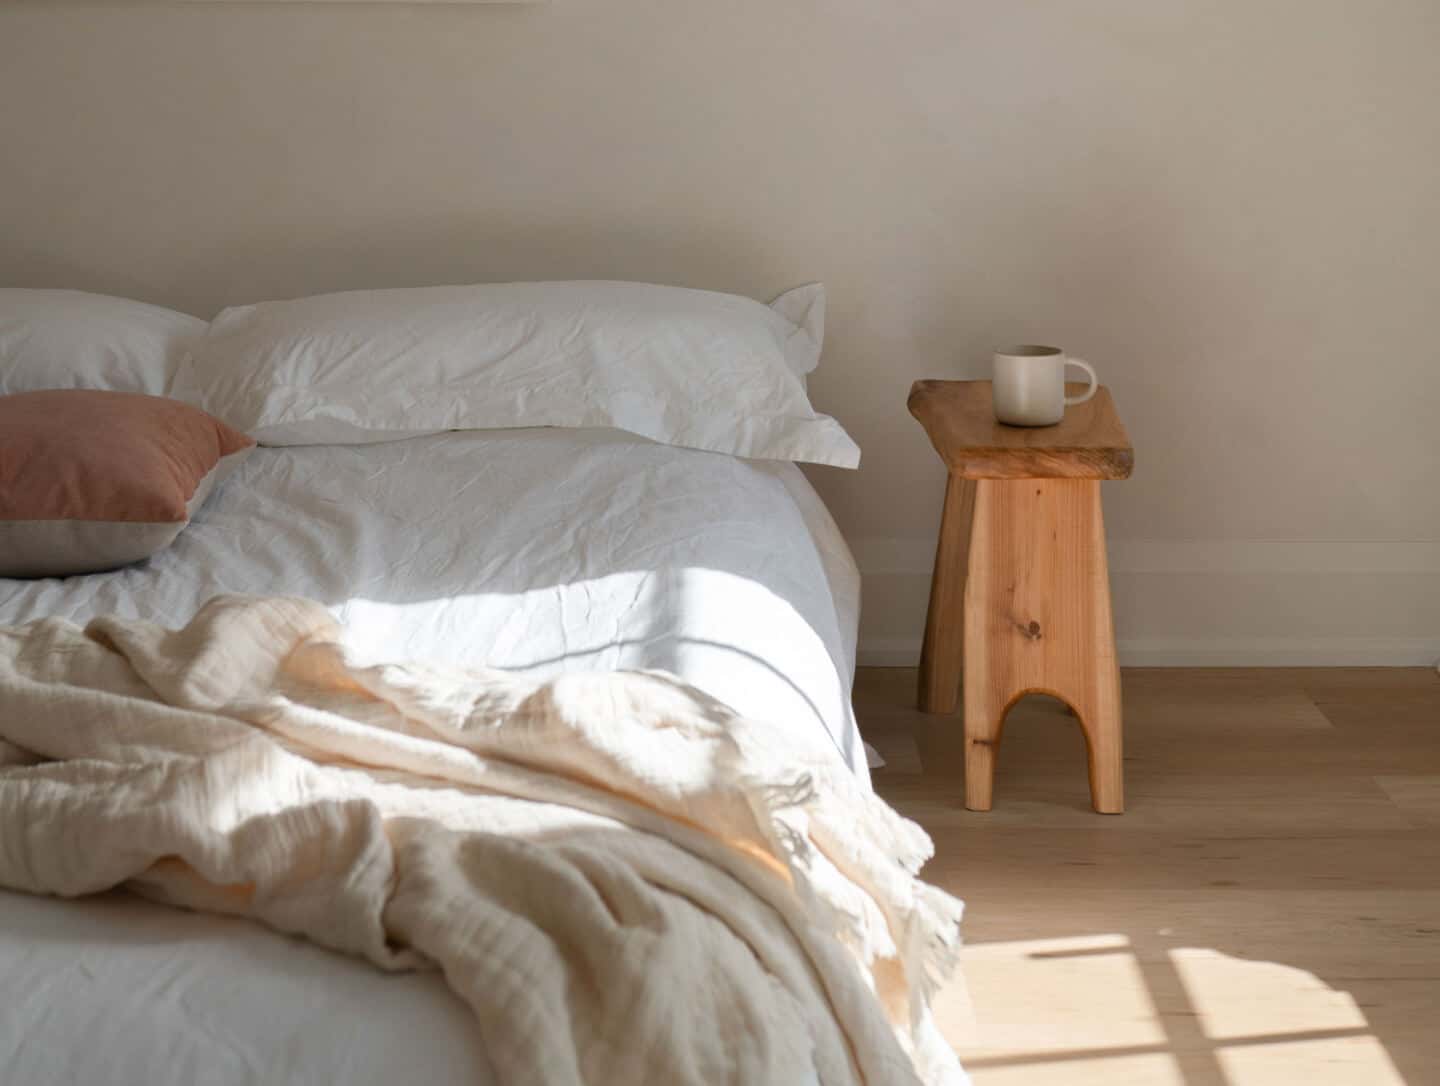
<point x="1231" y="206"/>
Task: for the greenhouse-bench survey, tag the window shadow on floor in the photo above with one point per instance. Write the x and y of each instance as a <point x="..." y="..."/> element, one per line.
<point x="1263" y="913"/>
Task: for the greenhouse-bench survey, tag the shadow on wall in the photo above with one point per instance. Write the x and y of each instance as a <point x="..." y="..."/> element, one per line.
<point x="258" y="268"/>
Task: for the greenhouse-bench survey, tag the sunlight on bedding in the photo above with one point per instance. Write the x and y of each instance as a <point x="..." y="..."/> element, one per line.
<point x="538" y="550"/>
<point x="729" y="635"/>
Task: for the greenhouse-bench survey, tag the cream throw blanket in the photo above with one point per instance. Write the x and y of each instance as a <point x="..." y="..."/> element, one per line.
<point x="624" y="881"/>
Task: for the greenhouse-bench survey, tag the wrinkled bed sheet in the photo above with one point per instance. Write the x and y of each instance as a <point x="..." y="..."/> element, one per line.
<point x="541" y="551"/>
<point x="531" y="550"/>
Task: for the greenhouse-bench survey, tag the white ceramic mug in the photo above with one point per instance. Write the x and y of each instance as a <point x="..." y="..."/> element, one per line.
<point x="1029" y="385"/>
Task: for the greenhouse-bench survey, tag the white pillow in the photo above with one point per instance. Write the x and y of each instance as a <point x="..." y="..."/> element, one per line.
<point x="682" y="367"/>
<point x="70" y="339"/>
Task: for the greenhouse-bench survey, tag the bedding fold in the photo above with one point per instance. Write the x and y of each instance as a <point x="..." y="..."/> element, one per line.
<point x="623" y="879"/>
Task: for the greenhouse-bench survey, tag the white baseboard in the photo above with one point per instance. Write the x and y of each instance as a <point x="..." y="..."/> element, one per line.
<point x="1281" y="652"/>
<point x="1211" y="603"/>
<point x="1218" y="652"/>
<point x="888" y="652"/>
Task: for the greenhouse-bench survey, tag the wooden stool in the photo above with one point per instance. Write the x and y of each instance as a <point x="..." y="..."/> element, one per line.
<point x="1022" y="557"/>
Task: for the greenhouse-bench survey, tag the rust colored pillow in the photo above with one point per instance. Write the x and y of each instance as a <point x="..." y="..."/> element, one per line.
<point x="93" y="480"/>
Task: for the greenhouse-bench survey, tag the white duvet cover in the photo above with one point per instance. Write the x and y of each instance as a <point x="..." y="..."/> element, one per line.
<point x="536" y="550"/>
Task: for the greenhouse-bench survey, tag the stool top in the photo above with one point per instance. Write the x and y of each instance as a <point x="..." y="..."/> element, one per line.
<point x="1090" y="443"/>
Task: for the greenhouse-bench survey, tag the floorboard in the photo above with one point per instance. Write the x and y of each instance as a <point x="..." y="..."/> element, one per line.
<point x="1266" y="912"/>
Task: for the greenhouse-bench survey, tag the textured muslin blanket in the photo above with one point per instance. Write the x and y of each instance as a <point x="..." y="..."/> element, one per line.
<point x="624" y="881"/>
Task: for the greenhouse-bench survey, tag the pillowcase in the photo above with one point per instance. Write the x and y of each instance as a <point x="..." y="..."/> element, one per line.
<point x="682" y="367"/>
<point x="69" y="339"/>
<point x="92" y="480"/>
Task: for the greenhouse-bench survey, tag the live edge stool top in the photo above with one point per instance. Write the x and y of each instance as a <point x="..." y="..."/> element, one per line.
<point x="1090" y="443"/>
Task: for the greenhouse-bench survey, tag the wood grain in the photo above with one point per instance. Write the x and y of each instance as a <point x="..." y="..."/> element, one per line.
<point x="1264" y="914"/>
<point x="942" y="656"/>
<point x="1037" y="620"/>
<point x="1090" y="443"/>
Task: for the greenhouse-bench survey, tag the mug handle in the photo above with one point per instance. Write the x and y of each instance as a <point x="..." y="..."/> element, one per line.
<point x="1070" y="401"/>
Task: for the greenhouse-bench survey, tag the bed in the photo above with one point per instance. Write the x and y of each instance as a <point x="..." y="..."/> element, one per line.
<point x="540" y="550"/>
<point x="497" y="535"/>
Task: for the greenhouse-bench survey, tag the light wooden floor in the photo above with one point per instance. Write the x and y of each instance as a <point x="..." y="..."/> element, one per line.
<point x="1266" y="912"/>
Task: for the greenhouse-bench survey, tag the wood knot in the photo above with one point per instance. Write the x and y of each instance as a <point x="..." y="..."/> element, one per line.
<point x="1031" y="631"/>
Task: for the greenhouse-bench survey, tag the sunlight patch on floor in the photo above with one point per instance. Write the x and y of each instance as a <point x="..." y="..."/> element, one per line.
<point x="1003" y="977"/>
<point x="1099" y="1009"/>
<point x="1236" y="998"/>
<point x="1151" y="1069"/>
<point x="1338" y="1061"/>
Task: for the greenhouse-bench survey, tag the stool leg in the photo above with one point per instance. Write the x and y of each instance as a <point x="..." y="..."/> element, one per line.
<point x="940" y="659"/>
<point x="985" y="712"/>
<point x="1105" y="747"/>
<point x="987" y="686"/>
<point x="1038" y="620"/>
<point x="1098" y="683"/>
